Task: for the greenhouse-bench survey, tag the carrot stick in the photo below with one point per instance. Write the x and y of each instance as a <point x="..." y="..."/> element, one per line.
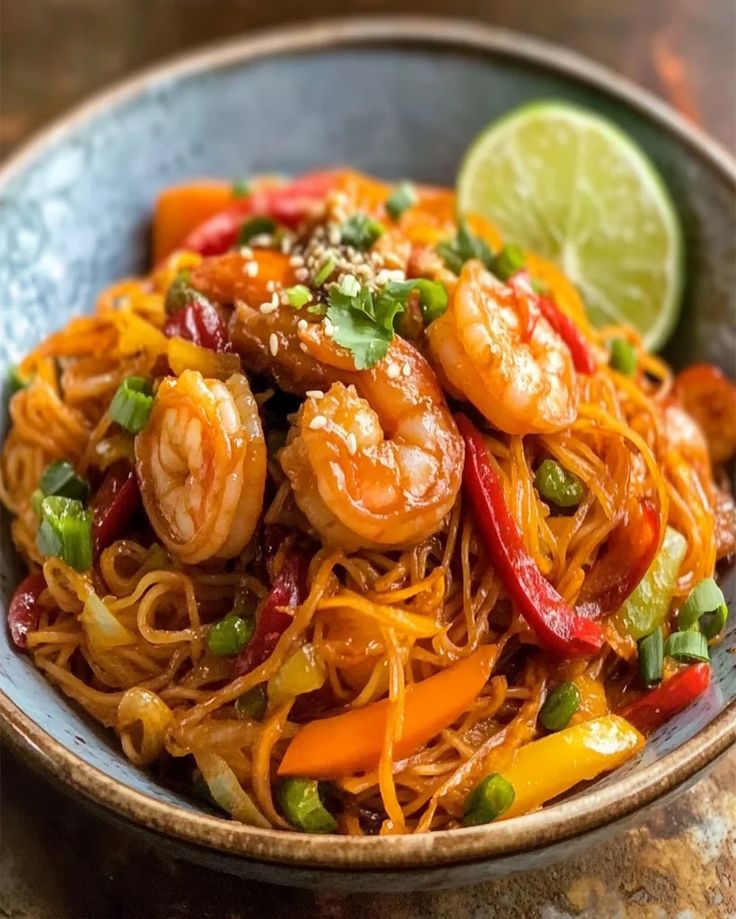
<point x="353" y="741"/>
<point x="182" y="207"/>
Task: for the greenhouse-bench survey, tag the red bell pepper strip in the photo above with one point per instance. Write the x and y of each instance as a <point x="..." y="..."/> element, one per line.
<point x="627" y="557"/>
<point x="24" y="611"/>
<point x="113" y="505"/>
<point x="287" y="204"/>
<point x="556" y="625"/>
<point x="658" y="705"/>
<point x="201" y="323"/>
<point x="289" y="589"/>
<point x="582" y="356"/>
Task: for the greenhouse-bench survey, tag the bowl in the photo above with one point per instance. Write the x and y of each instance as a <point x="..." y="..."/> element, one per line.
<point x="395" y="97"/>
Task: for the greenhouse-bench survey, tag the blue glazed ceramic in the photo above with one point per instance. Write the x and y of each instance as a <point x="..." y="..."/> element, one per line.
<point x="396" y="98"/>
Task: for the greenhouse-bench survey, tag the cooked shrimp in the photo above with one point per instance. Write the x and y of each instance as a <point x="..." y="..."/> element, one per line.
<point x="376" y="461"/>
<point x="514" y="368"/>
<point x="201" y="463"/>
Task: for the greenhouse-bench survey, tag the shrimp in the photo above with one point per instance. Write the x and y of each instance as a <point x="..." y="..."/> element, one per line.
<point x="201" y="464"/>
<point x="377" y="460"/>
<point x="512" y="366"/>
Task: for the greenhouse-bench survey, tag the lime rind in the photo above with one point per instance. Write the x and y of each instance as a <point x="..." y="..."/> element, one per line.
<point x="626" y="273"/>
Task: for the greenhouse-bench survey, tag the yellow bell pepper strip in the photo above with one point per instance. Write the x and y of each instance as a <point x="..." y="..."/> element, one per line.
<point x="347" y="743"/>
<point x="546" y="768"/>
<point x="646" y="608"/>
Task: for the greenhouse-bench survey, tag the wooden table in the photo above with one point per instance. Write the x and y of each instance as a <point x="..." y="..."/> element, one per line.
<point x="61" y="862"/>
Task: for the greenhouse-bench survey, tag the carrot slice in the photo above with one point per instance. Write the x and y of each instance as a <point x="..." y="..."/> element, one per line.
<point x="182" y="207"/>
<point x="353" y="741"/>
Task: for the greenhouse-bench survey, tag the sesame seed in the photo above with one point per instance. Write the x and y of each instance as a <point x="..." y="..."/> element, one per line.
<point x="333" y="234"/>
<point x="246" y="252"/>
<point x="270" y="285"/>
<point x="275" y="299"/>
<point x="273" y="344"/>
<point x="251" y="269"/>
<point x="406" y="370"/>
<point x="267" y="308"/>
<point x="319" y="421"/>
<point x="315" y="394"/>
<point x="393" y="371"/>
<point x="296" y="261"/>
<point x="352" y="444"/>
<point x="286" y="245"/>
<point x="328" y="327"/>
<point x="302" y="325"/>
<point x="263" y="240"/>
<point x="303" y="347"/>
<point x="301" y="274"/>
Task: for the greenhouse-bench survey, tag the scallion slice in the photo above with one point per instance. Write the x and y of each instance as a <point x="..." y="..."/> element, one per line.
<point x="559" y="707"/>
<point x="132" y="403"/>
<point x="402" y="197"/>
<point x="230" y="635"/>
<point x="59" y="478"/>
<point x="508" y="261"/>
<point x="651" y="658"/>
<point x="705" y="608"/>
<point x="298" y="296"/>
<point x="328" y="266"/>
<point x="66" y="532"/>
<point x="623" y="357"/>
<point x="301" y="804"/>
<point x="488" y="800"/>
<point x="256" y="226"/>
<point x="687" y="646"/>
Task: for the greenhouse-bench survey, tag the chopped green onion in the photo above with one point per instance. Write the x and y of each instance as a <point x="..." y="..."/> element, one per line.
<point x="488" y="800"/>
<point x="66" y="532"/>
<point x="361" y="231"/>
<point x="464" y="247"/>
<point x="623" y="357"/>
<point x="230" y="635"/>
<point x="559" y="707"/>
<point x="298" y="296"/>
<point x="349" y="285"/>
<point x="16" y="382"/>
<point x="508" y="261"/>
<point x="59" y="478"/>
<point x="651" y="657"/>
<point x="704" y="608"/>
<point x="132" y="403"/>
<point x="36" y="501"/>
<point x="240" y="188"/>
<point x="328" y="266"/>
<point x="302" y="806"/>
<point x="251" y="706"/>
<point x="256" y="226"/>
<point x="402" y="197"/>
<point x="556" y="484"/>
<point x="687" y="646"/>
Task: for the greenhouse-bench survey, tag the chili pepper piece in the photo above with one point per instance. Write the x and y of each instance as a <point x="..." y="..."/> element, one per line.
<point x="23" y="609"/>
<point x="201" y="323"/>
<point x="289" y="589"/>
<point x="654" y="708"/>
<point x="556" y="625"/>
<point x="114" y="505"/>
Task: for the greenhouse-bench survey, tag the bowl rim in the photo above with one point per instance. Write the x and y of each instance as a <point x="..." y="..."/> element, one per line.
<point x="588" y="811"/>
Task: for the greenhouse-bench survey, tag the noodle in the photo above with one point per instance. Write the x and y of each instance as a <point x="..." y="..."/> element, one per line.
<point x="380" y="622"/>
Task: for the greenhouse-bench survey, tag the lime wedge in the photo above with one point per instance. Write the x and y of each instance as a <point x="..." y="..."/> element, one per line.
<point x="570" y="186"/>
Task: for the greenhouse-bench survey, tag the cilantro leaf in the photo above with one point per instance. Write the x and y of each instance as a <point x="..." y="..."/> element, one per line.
<point x="363" y="323"/>
<point x="432" y="296"/>
<point x="464" y="247"/>
<point x="361" y="231"/>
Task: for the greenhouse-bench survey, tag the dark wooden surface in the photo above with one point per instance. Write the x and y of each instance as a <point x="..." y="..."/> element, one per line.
<point x="60" y="862"/>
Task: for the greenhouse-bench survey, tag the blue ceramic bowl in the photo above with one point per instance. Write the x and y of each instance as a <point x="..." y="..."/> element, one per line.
<point x="398" y="97"/>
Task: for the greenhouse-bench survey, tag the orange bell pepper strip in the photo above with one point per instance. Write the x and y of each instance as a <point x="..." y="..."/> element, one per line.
<point x="181" y="208"/>
<point x="546" y="768"/>
<point x="351" y="742"/>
